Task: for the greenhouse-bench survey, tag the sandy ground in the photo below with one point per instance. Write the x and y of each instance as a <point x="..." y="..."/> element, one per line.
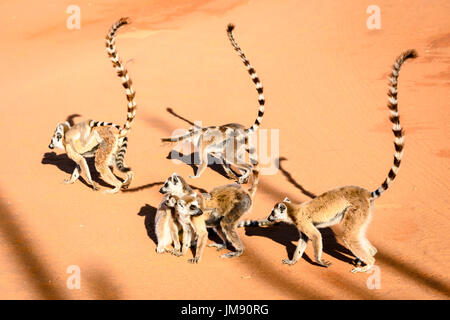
<point x="325" y="79"/>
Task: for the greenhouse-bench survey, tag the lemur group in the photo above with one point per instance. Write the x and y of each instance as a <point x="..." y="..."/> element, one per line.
<point x="185" y="214"/>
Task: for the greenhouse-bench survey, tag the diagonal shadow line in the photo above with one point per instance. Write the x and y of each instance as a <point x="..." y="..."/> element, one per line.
<point x="27" y="257"/>
<point x="292" y="180"/>
<point x="102" y="286"/>
<point x="413" y="272"/>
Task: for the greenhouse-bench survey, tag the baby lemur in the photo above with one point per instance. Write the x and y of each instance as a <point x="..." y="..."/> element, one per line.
<point x="220" y="209"/>
<point x="351" y="206"/>
<point x="84" y="139"/>
<point x="228" y="142"/>
<point x="166" y="225"/>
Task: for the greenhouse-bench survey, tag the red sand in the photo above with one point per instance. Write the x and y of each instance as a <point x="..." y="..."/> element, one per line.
<point x="325" y="79"/>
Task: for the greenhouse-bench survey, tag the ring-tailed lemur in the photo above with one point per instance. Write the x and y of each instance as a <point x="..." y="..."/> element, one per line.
<point x="234" y="137"/>
<point x="350" y="205"/>
<point x="83" y="139"/>
<point x="166" y="225"/>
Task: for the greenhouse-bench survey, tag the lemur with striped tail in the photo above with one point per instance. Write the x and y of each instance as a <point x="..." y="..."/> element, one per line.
<point x="352" y="206"/>
<point x="105" y="141"/>
<point x="228" y="142"/>
<point x="167" y="226"/>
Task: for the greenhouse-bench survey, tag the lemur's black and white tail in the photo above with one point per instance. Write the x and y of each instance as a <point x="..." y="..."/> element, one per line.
<point x="254" y="223"/>
<point x="122" y="73"/>
<point x="255" y="79"/>
<point x="94" y="123"/>
<point x="120" y="155"/>
<point x="127" y="84"/>
<point x="395" y="119"/>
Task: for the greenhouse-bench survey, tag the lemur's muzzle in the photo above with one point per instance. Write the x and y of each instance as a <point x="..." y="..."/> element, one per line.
<point x="198" y="213"/>
<point x="51" y="145"/>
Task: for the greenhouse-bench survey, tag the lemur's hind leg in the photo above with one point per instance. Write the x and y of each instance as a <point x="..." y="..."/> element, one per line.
<point x="314" y="234"/>
<point x="222" y="236"/>
<point x="225" y="166"/>
<point x="104" y="159"/>
<point x="229" y="230"/>
<point x="354" y="223"/>
<point x="229" y="223"/>
<point x="82" y="163"/>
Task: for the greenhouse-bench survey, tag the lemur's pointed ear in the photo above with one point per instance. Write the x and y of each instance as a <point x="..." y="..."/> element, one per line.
<point x="287" y="200"/>
<point x="175" y="176"/>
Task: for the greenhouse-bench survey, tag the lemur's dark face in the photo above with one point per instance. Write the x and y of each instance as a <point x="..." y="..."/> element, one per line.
<point x="172" y="185"/>
<point x="57" y="139"/>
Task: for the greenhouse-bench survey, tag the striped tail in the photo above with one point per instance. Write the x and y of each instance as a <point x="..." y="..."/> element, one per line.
<point x="255" y="79"/>
<point x="120" y="164"/>
<point x="94" y="123"/>
<point x="395" y="119"/>
<point x="122" y="73"/>
<point x="120" y="155"/>
<point x="254" y="223"/>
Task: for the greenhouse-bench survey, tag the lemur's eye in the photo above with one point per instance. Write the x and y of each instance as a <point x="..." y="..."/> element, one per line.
<point x="58" y="136"/>
<point x="192" y="207"/>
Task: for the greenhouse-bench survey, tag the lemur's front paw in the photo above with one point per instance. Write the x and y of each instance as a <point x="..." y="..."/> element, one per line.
<point x="288" y="262"/>
<point x="218" y="246"/>
<point x="324" y="263"/>
<point x="67" y="181"/>
<point x="95" y="186"/>
<point x="231" y="254"/>
<point x="176" y="253"/>
<point x="194" y="260"/>
<point x="362" y="269"/>
<point x="111" y="191"/>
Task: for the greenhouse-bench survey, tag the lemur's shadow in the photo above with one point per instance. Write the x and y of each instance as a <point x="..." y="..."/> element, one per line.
<point x="67" y="165"/>
<point x="285" y="234"/>
<point x="149" y="212"/>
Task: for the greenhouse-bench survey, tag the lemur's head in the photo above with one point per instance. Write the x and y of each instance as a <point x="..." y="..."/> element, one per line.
<point x="173" y="185"/>
<point x="171" y="201"/>
<point x="58" y="136"/>
<point x="279" y="211"/>
<point x="189" y="206"/>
